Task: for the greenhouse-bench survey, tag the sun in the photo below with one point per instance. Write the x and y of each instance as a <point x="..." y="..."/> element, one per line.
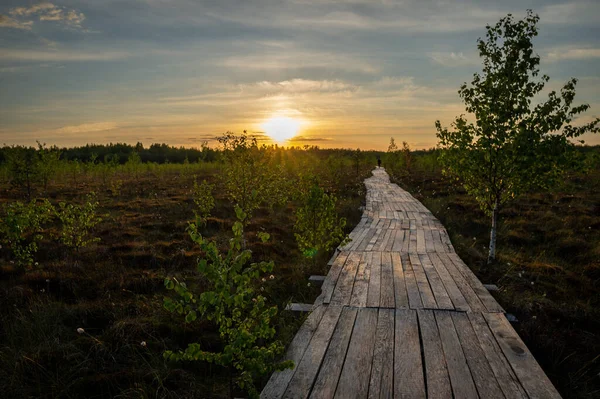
<point x="281" y="128"/>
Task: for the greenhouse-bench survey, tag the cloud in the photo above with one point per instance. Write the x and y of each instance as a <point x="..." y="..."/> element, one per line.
<point x="298" y="86"/>
<point x="87" y="128"/>
<point x="44" y="11"/>
<point x="567" y="53"/>
<point x="45" y="55"/>
<point x="308" y="138"/>
<point x="7" y="22"/>
<point x="452" y="59"/>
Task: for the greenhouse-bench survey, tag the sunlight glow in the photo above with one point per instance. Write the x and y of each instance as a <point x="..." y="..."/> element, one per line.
<point x="281" y="128"/>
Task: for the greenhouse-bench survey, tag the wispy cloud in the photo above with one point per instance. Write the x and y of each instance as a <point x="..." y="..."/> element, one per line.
<point x="59" y="55"/>
<point x="87" y="128"/>
<point x="454" y="59"/>
<point x="8" y="22"/>
<point x="23" y="17"/>
<point x="572" y="53"/>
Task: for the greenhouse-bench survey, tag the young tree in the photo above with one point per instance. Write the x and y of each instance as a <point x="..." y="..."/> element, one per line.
<point x="23" y="167"/>
<point x="235" y="304"/>
<point x="513" y="146"/>
<point x="318" y="226"/>
<point x="49" y="160"/>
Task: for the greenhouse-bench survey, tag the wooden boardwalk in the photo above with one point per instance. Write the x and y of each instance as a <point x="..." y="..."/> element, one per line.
<point x="402" y="316"/>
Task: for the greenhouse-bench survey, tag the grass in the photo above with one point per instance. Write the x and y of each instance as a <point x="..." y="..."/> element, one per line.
<point x="547" y="269"/>
<point x="114" y="289"/>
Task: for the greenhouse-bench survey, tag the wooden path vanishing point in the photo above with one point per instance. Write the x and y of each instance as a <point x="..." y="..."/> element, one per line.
<point x="402" y="316"/>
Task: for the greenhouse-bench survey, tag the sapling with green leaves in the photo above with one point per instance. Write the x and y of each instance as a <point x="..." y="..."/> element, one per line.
<point x="236" y="304"/>
<point x="516" y="142"/>
<point x="318" y="226"/>
<point x="49" y="159"/>
<point x="23" y="168"/>
<point x="77" y="222"/>
<point x="21" y="227"/>
<point x="204" y="201"/>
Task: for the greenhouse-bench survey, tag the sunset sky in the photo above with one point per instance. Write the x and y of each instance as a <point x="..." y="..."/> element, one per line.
<point x="353" y="72"/>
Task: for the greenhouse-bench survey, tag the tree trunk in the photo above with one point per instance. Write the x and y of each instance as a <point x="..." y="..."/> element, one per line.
<point x="492" y="252"/>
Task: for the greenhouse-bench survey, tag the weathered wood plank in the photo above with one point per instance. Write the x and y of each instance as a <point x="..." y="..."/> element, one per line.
<point x="332" y="276"/>
<point x="382" y="372"/>
<point x="343" y="288"/>
<point x="421" y="249"/>
<point x="484" y="295"/>
<point x="502" y="370"/>
<point x="307" y="368"/>
<point x="460" y="375"/>
<point x="279" y="381"/>
<point x="408" y="368"/>
<point x="458" y="300"/>
<point x="482" y="374"/>
<point x="437" y="286"/>
<point x="386" y="297"/>
<point x="412" y="290"/>
<point x="424" y="289"/>
<point x="356" y="372"/>
<point x="361" y="283"/>
<point x="374" y="281"/>
<point x="436" y="372"/>
<point x="329" y="374"/>
<point x="474" y="302"/>
<point x="528" y="371"/>
<point x="400" y="295"/>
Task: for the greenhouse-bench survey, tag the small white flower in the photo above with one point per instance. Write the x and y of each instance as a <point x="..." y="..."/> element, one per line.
<point x="37" y="264"/>
<point x="263" y="279"/>
<point x="532" y="283"/>
<point x="308" y="285"/>
<point x="534" y="317"/>
<point x="80" y="330"/>
<point x="253" y="299"/>
<point x="143" y="343"/>
<point x="42" y="290"/>
<point x="262" y="288"/>
<point x="271" y="277"/>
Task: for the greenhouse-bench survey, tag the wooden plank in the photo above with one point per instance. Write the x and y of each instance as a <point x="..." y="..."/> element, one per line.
<point x="382" y="243"/>
<point x="386" y="297"/>
<point x="400" y="295"/>
<point x="466" y="289"/>
<point x="424" y="289"/>
<point x="359" y="238"/>
<point x="332" y="276"/>
<point x="412" y="290"/>
<point x="484" y="295"/>
<point x="398" y="240"/>
<point x="528" y="371"/>
<point x="373" y="240"/>
<point x="437" y="286"/>
<point x="421" y="249"/>
<point x="382" y="371"/>
<point x="458" y="300"/>
<point x="390" y="244"/>
<point x="460" y="375"/>
<point x="482" y="374"/>
<point x="500" y="366"/>
<point x="408" y="368"/>
<point x="356" y="372"/>
<point x="279" y="381"/>
<point x="437" y="242"/>
<point x="374" y="281"/>
<point x="365" y="241"/>
<point x="436" y="372"/>
<point x="429" y="244"/>
<point x="361" y="281"/>
<point x="306" y="370"/>
<point x="333" y="361"/>
<point x="412" y="243"/>
<point x="343" y="288"/>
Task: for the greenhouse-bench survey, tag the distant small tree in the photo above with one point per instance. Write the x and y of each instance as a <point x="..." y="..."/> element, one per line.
<point x="49" y="161"/>
<point x="318" y="226"/>
<point x="77" y="222"/>
<point x="23" y="168"/>
<point x="513" y="146"/>
<point x="21" y="228"/>
<point x="392" y="147"/>
<point x="204" y="201"/>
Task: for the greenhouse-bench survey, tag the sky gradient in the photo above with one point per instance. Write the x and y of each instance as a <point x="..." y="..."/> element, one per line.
<point x="354" y="72"/>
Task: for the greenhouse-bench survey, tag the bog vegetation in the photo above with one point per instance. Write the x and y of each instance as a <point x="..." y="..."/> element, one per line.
<point x="163" y="271"/>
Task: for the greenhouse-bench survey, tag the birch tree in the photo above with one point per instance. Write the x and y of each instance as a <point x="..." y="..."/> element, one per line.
<point x="516" y="142"/>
